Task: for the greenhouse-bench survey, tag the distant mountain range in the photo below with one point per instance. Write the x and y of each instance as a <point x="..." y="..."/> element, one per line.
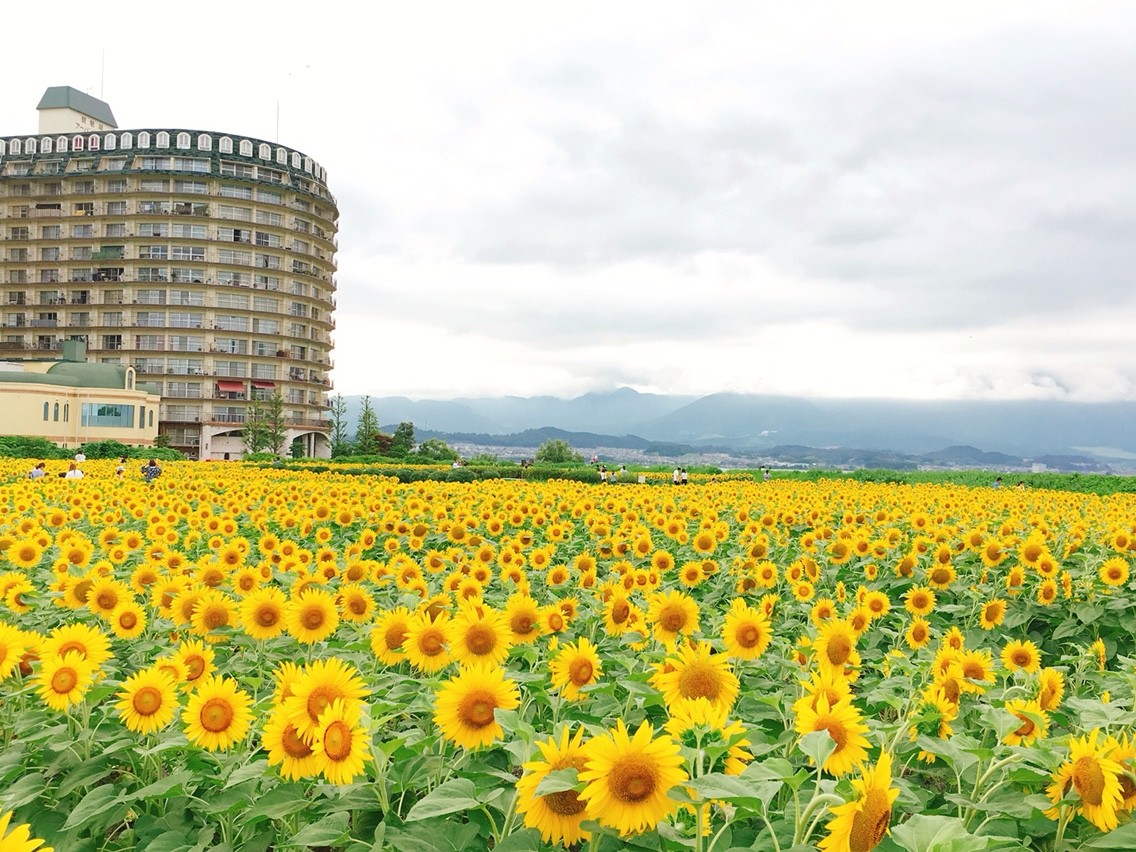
<point x="754" y="425"/>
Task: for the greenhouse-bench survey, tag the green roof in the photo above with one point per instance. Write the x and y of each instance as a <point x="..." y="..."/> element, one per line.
<point x="85" y="375"/>
<point x="65" y="97"/>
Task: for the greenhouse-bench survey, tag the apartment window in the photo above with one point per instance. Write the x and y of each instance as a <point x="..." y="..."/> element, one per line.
<point x="187" y="343"/>
<point x="82" y="232"/>
<point x="150" y="319"/>
<point x="264" y="238"/>
<point x="189" y="232"/>
<point x="112" y="341"/>
<point x="183" y="390"/>
<point x="229" y="322"/>
<point x="234" y="235"/>
<point x="18" y="233"/>
<point x="235" y="301"/>
<point x="268" y="195"/>
<point x="234" y="256"/>
<point x="267" y="282"/>
<point x="153" y="229"/>
<point x="264" y="217"/>
<point x="239" y="214"/>
<point x="234" y="369"/>
<point x="112" y="297"/>
<point x="152" y="342"/>
<point x="266" y="304"/>
<point x="154" y="184"/>
<point x="161" y="208"/>
<point x="190" y="164"/>
<point x="112" y="318"/>
<point x="19" y="255"/>
<point x="186" y="319"/>
<point x="191" y="187"/>
<point x="189" y="253"/>
<point x="84" y="208"/>
<point x="234" y="191"/>
<point x="83" y="187"/>
<point x="51" y="232"/>
<point x="186" y="275"/>
<point x="186" y="297"/>
<point x="241" y="170"/>
<point x="151" y="273"/>
<point x="298" y="309"/>
<point x="232" y="279"/>
<point x="183" y="413"/>
<point x="231" y="345"/>
<point x="150" y="297"/>
<point x="265" y="326"/>
<point x="116" y="230"/>
<point x="82" y="253"/>
<point x="298" y="288"/>
<point x="267" y="261"/>
<point x="153" y="252"/>
<point x="117" y="184"/>
<point x="116" y="208"/>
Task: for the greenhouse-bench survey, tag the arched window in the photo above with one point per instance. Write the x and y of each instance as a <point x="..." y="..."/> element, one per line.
<point x="55" y="413"/>
<point x="31" y="146"/>
<point x="77" y="143"/>
<point x="3" y="147"/>
<point x="93" y="142"/>
<point x="151" y="420"/>
<point x="296" y="162"/>
<point x="126" y="140"/>
<point x="46" y="410"/>
<point x="17" y="148"/>
<point x="47" y="146"/>
<point x="265" y="152"/>
<point x="163" y="139"/>
<point x="246" y="148"/>
<point x="142" y="417"/>
<point x="282" y="156"/>
<point x="108" y="141"/>
<point x="66" y="412"/>
<point x="183" y="140"/>
<point x="130" y="378"/>
<point x="60" y="144"/>
<point x="144" y="139"/>
<point x="225" y="145"/>
<point x="204" y="142"/>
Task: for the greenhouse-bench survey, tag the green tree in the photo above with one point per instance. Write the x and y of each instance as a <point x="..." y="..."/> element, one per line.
<point x="367" y="430"/>
<point x="255" y="439"/>
<point x="403" y="441"/>
<point x="436" y="450"/>
<point x="556" y="451"/>
<point x="275" y="427"/>
<point x="340" y="442"/>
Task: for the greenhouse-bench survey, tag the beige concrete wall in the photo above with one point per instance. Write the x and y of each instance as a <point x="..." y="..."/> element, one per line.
<point x="21" y="413"/>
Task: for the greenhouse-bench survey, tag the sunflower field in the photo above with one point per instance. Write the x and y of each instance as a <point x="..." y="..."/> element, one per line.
<point x="232" y="658"/>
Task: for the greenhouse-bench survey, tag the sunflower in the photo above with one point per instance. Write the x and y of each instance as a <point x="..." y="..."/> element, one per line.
<point x="976" y="668"/>
<point x="745" y="631"/>
<point x="312" y="616"/>
<point x="576" y="665"/>
<point x="1094" y="777"/>
<point x="25" y="554"/>
<point x="620" y="614"/>
<point x="522" y="613"/>
<point x="1114" y="572"/>
<point x="64" y="680"/>
<point x="1034" y="722"/>
<point x="941" y="576"/>
<point x="480" y="635"/>
<point x="90" y="643"/>
<point x="1021" y="655"/>
<point x="147" y="700"/>
<point x="557" y="816"/>
<point x="694" y="672"/>
<point x="464" y="705"/>
<point x="427" y="642"/>
<point x="861" y="824"/>
<point x="287" y="748"/>
<point x="322" y="682"/>
<point x="690" y="714"/>
<point x="993" y="611"/>
<point x="13" y="645"/>
<point x="215" y="611"/>
<point x="918" y="633"/>
<point x="1050" y="688"/>
<point x="629" y="778"/>
<point x="388" y="635"/>
<point x="877" y="603"/>
<point x="217" y="714"/>
<point x="829" y="684"/>
<point x="672" y="613"/>
<point x="356" y="604"/>
<point x="835" y="646"/>
<point x="19" y="839"/>
<point x="262" y="613"/>
<point x="340" y="745"/>
<point x="919" y="600"/>
<point x="128" y="620"/>
<point x="197" y="658"/>
<point x="844" y="725"/>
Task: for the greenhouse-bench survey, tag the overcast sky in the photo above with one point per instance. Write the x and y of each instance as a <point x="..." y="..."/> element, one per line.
<point x="815" y="199"/>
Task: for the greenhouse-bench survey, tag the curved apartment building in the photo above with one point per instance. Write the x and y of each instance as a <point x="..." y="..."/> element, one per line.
<point x="205" y="260"/>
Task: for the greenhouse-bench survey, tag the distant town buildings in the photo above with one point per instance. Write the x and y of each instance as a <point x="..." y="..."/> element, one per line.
<point x="200" y="263"/>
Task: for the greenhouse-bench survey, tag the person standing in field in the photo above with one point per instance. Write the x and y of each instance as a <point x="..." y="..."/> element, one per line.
<point x="38" y="472"/>
<point x="73" y="472"/>
<point x="677" y="476"/>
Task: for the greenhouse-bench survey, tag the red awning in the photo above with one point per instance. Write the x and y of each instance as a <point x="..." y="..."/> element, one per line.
<point x="264" y="385"/>
<point x="231" y="387"/>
